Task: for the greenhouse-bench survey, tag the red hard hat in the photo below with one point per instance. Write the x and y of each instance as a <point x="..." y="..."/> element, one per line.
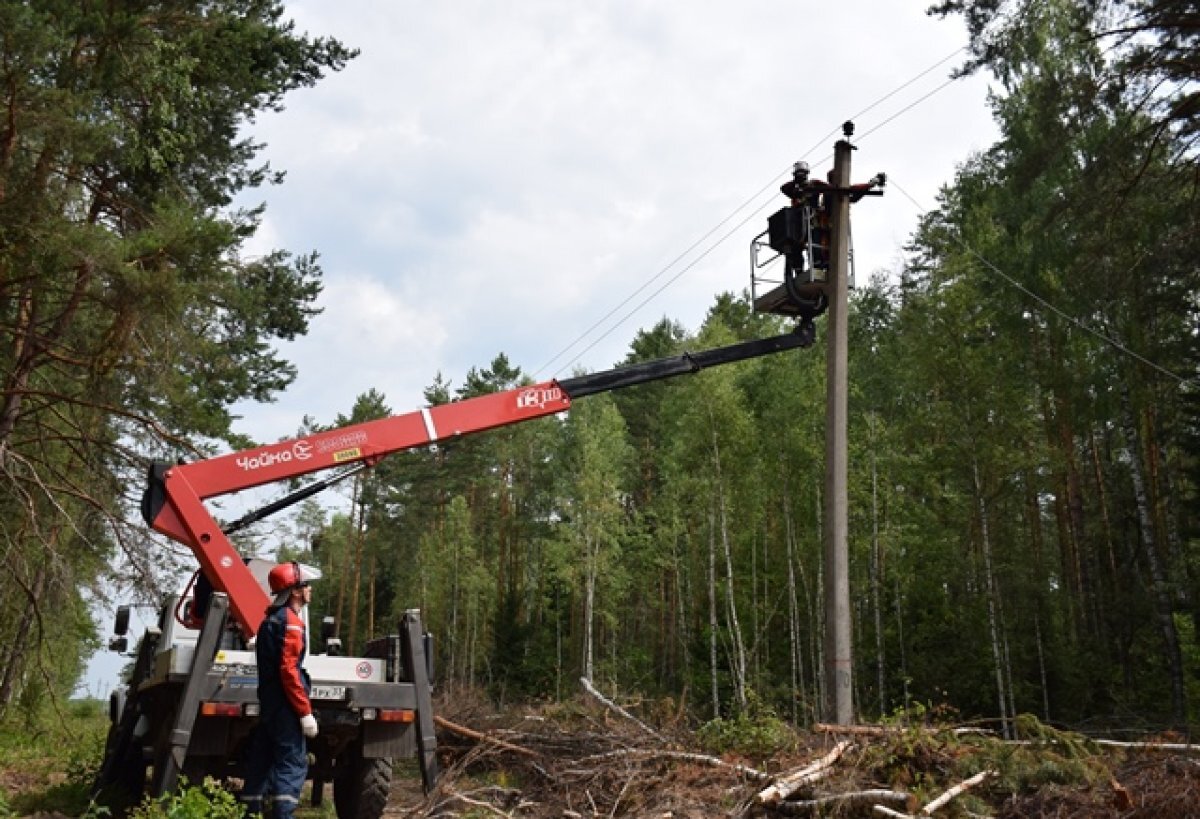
<point x="285" y="577"/>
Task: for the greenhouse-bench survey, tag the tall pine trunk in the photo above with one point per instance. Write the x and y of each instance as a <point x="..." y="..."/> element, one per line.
<point x="712" y="618"/>
<point x="876" y="582"/>
<point x="1163" y="608"/>
<point x="14" y="661"/>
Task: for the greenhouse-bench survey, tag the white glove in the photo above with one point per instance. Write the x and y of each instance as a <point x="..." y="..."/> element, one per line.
<point x="308" y="724"/>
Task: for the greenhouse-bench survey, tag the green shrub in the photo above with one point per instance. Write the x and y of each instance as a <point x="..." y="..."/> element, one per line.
<point x="757" y="732"/>
<point x="208" y="800"/>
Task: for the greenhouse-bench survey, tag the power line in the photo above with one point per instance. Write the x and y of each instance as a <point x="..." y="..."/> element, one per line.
<point x="733" y="214"/>
<point x="1112" y="342"/>
<point x="907" y="108"/>
<point x="671" y="280"/>
<point x="892" y="93"/>
<point x="655" y="278"/>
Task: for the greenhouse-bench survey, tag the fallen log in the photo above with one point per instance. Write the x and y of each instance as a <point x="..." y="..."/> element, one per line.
<point x="791" y="783"/>
<point x="891" y="730"/>
<point x="937" y="803"/>
<point x="961" y="787"/>
<point x="1173" y="747"/>
<point x="1165" y="747"/>
<point x="815" y="806"/>
<point x="894" y="814"/>
<point x="463" y="731"/>
<point x="454" y="796"/>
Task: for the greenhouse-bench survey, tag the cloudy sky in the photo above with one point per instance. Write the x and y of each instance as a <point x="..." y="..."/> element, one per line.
<point x="490" y="178"/>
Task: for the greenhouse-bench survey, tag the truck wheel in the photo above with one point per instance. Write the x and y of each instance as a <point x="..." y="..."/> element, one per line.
<point x="361" y="787"/>
<point x="122" y="768"/>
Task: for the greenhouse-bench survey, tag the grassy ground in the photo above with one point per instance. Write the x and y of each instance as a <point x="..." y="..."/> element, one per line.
<point x="48" y="771"/>
<point x="50" y="768"/>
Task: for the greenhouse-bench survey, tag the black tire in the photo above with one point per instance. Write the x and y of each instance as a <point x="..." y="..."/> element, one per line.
<point x="121" y="779"/>
<point x="361" y="787"/>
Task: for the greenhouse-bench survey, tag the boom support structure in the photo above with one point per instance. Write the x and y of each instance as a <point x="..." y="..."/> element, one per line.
<point x="173" y="503"/>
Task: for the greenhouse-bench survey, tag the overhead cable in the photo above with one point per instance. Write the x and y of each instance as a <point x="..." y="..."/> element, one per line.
<point x="732" y="215"/>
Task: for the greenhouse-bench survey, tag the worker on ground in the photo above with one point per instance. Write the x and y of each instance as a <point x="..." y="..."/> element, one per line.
<point x="277" y="761"/>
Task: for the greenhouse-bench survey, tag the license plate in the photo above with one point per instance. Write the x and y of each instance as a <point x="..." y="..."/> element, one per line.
<point x="328" y="692"/>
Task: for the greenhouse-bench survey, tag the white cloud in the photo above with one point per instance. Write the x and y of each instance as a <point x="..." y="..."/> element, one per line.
<point x="493" y="178"/>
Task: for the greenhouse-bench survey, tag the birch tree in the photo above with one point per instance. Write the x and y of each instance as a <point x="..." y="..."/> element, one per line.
<point x="598" y="458"/>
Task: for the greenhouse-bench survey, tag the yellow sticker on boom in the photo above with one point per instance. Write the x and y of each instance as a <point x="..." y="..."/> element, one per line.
<point x="347" y="455"/>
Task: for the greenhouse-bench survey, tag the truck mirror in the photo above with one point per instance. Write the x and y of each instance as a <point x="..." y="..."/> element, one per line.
<point x="122" y="624"/>
<point x="333" y="646"/>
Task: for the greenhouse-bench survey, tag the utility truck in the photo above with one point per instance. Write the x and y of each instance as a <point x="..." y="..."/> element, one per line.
<point x="190" y="701"/>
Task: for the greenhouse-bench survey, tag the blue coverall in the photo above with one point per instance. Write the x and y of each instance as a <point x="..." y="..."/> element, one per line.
<point x="277" y="759"/>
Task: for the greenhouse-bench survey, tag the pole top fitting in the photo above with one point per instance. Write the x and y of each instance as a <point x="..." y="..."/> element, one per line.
<point x="848" y="129"/>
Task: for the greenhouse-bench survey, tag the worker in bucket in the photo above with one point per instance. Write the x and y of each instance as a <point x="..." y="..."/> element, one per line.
<point x="277" y="760"/>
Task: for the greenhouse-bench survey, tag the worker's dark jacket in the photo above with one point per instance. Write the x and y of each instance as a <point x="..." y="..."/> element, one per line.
<point x="280" y="649"/>
<point x="276" y="761"/>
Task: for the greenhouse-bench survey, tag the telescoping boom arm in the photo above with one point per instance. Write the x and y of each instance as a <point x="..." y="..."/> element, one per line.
<point x="173" y="503"/>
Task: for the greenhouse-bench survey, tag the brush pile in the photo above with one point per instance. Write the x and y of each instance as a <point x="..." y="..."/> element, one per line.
<point x="594" y="758"/>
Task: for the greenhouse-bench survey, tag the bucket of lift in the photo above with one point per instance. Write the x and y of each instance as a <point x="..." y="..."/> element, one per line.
<point x="790" y="263"/>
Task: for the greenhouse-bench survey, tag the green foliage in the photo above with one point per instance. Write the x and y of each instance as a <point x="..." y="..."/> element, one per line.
<point x="208" y="800"/>
<point x="1048" y="757"/>
<point x="130" y="321"/>
<point x="915" y="758"/>
<point x="757" y="737"/>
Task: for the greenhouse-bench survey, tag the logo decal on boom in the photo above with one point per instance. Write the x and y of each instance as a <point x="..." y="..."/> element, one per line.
<point x="538" y="397"/>
<point x="298" y="451"/>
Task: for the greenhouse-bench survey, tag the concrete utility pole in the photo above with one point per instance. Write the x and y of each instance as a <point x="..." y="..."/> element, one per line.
<point x="813" y="236"/>
<point x="839" y="690"/>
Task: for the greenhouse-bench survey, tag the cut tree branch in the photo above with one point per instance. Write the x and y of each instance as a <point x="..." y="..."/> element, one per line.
<point x="791" y="783"/>
<point x="961" y="787"/>
<point x="682" y="756"/>
<point x="612" y="706"/>
<point x="454" y="728"/>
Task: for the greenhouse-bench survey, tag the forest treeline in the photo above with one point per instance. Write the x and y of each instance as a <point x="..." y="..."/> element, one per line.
<point x="1023" y="414"/>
